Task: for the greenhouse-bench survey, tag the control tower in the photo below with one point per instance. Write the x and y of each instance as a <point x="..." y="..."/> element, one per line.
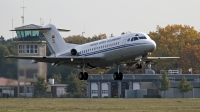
<point x="30" y="43"/>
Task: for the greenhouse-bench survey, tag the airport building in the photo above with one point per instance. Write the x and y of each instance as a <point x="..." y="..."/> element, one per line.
<point x="30" y="43"/>
<point x="138" y="86"/>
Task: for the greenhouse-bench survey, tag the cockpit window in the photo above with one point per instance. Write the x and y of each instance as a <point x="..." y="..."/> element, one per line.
<point x="142" y="37"/>
<point x="132" y="39"/>
<point x="135" y="38"/>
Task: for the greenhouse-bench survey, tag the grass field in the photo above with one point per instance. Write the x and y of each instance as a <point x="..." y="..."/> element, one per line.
<point x="99" y="105"/>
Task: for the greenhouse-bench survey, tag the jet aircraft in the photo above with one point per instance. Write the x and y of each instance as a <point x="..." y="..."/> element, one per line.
<point x="127" y="49"/>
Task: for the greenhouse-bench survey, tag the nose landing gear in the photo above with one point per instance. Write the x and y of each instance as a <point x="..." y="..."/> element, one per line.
<point x="138" y="66"/>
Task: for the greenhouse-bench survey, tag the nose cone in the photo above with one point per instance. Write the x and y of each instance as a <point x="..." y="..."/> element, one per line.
<point x="153" y="45"/>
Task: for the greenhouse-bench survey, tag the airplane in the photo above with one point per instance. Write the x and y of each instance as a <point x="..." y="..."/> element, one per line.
<point x="127" y="49"/>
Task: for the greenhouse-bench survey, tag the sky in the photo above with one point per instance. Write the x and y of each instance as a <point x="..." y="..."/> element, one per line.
<point x="96" y="17"/>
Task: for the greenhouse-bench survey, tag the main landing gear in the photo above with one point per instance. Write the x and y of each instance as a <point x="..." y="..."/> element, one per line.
<point x="118" y="75"/>
<point x="83" y="75"/>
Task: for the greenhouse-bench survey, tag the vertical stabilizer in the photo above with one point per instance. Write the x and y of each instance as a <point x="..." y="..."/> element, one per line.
<point x="54" y="40"/>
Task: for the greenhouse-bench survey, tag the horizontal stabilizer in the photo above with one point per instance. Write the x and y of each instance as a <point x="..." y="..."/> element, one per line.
<point x="63" y="30"/>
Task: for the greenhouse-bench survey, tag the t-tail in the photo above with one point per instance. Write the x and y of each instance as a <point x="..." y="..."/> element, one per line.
<point x="54" y="40"/>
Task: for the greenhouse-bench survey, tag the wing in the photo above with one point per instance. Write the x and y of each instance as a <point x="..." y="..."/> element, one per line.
<point x="64" y="59"/>
<point x="147" y="59"/>
<point x="157" y="58"/>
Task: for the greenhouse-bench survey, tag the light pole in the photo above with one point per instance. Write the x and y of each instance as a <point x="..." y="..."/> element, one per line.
<point x="82" y="37"/>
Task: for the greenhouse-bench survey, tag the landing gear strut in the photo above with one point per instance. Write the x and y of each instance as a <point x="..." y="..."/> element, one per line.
<point x="138" y="66"/>
<point x="83" y="75"/>
<point x="118" y="75"/>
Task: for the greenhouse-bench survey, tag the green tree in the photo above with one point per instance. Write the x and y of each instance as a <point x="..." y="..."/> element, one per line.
<point x="12" y="47"/>
<point x="164" y="83"/>
<point x="75" y="86"/>
<point x="57" y="78"/>
<point x="184" y="86"/>
<point x="40" y="86"/>
<point x="2" y="40"/>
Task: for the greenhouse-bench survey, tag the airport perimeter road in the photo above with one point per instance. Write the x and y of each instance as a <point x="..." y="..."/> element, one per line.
<point x="99" y="105"/>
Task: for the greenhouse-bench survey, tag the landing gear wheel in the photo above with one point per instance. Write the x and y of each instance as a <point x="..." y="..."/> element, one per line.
<point x="115" y="76"/>
<point x="138" y="66"/>
<point x="120" y="76"/>
<point x="85" y="76"/>
<point x="80" y="76"/>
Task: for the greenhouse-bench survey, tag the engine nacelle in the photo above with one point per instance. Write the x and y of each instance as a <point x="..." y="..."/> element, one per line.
<point x="74" y="52"/>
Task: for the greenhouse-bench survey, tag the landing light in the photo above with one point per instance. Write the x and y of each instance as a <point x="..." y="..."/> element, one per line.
<point x="149" y="53"/>
<point x="72" y="59"/>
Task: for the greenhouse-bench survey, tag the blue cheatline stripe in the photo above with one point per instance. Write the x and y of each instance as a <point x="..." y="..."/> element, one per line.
<point x="114" y="48"/>
<point x="51" y="49"/>
<point x="109" y="49"/>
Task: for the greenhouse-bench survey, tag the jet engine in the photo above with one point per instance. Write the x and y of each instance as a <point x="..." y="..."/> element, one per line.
<point x="73" y="52"/>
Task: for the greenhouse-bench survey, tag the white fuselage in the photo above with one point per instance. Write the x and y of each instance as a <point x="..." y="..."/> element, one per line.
<point x="115" y="49"/>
